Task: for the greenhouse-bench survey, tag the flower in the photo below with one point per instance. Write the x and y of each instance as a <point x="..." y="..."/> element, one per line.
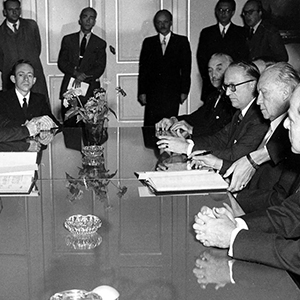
<point x="93" y="111"/>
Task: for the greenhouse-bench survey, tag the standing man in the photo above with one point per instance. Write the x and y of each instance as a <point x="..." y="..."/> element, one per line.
<point x="223" y="37"/>
<point x="82" y="56"/>
<point x="263" y="39"/>
<point x="164" y="71"/>
<point x="20" y="39"/>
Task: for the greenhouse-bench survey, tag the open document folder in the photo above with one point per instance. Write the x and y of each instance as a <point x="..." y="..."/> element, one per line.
<point x="18" y="173"/>
<point x="187" y="181"/>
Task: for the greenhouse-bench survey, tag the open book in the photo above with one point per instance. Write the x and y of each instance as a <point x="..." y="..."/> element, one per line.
<point x="18" y="172"/>
<point x="193" y="181"/>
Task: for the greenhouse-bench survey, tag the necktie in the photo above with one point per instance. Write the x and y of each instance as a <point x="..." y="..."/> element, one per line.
<point x="251" y="33"/>
<point x="15" y="28"/>
<point x="164" y="45"/>
<point x="82" y="48"/>
<point x="24" y="107"/>
<point x="223" y="32"/>
<point x="266" y="138"/>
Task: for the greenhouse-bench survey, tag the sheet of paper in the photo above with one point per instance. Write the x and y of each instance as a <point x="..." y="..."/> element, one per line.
<point x="84" y="86"/>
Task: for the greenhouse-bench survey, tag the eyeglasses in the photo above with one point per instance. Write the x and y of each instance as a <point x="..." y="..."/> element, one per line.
<point x="224" y="10"/>
<point x="233" y="86"/>
<point x="249" y="12"/>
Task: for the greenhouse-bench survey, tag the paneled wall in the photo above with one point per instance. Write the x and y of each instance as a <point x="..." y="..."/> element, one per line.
<point x="123" y="24"/>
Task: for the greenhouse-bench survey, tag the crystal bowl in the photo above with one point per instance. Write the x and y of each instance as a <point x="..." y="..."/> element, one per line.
<point x="79" y="224"/>
<point x="92" y="151"/>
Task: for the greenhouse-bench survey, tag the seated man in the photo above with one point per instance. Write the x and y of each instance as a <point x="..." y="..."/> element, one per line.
<point x="217" y="110"/>
<point x="21" y="104"/>
<point x="264" y="165"/>
<point x="270" y="236"/>
<point x="241" y="136"/>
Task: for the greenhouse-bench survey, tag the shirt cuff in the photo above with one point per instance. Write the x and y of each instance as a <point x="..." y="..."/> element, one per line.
<point x="190" y="147"/>
<point x="240" y="225"/>
<point x="230" y="265"/>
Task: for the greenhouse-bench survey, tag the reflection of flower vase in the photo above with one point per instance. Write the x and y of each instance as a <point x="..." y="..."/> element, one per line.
<point x="94" y="134"/>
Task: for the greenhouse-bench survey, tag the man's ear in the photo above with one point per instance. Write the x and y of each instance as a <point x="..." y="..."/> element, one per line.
<point x="4" y="12"/>
<point x="13" y="78"/>
<point x="34" y="80"/>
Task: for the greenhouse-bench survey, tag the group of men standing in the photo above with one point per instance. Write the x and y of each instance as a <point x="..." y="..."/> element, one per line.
<point x="164" y="75"/>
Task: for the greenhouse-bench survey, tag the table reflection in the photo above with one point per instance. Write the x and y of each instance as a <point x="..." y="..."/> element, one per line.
<point x="145" y="248"/>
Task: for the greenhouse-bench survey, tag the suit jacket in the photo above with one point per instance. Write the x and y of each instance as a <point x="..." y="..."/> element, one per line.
<point x="258" y="199"/>
<point x="92" y="64"/>
<point x="11" y="108"/>
<point x="209" y="119"/>
<point x="25" y="44"/>
<point x="273" y="237"/>
<point x="279" y="147"/>
<point x="163" y="78"/>
<point x="211" y="41"/>
<point x="235" y="140"/>
<point x="267" y="41"/>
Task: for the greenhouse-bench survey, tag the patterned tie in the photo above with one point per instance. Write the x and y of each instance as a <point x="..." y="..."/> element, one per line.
<point x="24" y="107"/>
<point x="223" y="32"/>
<point x="164" y="45"/>
<point x="82" y="48"/>
<point x="15" y="28"/>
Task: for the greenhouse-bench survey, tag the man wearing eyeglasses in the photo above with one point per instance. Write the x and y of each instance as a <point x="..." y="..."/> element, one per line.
<point x="263" y="38"/>
<point x="262" y="168"/>
<point x="243" y="133"/>
<point x="223" y="37"/>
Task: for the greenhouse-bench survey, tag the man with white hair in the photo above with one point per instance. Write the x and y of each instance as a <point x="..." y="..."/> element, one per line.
<point x="270" y="236"/>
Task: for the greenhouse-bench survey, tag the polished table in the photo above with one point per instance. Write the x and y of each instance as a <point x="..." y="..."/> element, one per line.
<point x="148" y="249"/>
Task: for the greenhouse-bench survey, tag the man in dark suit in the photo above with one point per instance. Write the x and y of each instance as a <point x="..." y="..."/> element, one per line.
<point x="242" y="135"/>
<point x="224" y="37"/>
<point x="263" y="39"/>
<point x="217" y="110"/>
<point x="270" y="236"/>
<point x="20" y="105"/>
<point x="82" y="57"/>
<point x="164" y="71"/>
<point x="20" y="39"/>
<point x="263" y="167"/>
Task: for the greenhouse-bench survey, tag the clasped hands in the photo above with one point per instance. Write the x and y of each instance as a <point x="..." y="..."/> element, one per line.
<point x="213" y="227"/>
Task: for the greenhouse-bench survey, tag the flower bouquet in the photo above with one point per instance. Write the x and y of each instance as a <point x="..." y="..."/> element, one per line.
<point x="94" y="114"/>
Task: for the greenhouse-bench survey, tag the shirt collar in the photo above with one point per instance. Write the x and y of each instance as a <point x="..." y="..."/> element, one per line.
<point x="21" y="97"/>
<point x="11" y="25"/>
<point x="244" y="110"/>
<point x="256" y="26"/>
<point x="226" y="27"/>
<point x="274" y="124"/>
<point x="168" y="36"/>
<point x="81" y="35"/>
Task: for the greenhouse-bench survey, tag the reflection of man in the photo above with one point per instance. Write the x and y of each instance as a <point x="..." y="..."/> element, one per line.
<point x="275" y="88"/>
<point x="20" y="104"/>
<point x="224" y="37"/>
<point x="20" y="39"/>
<point x="263" y="39"/>
<point x="82" y="56"/>
<point x="240" y="136"/>
<point x="217" y="110"/>
<point x="164" y="71"/>
<point x="269" y="236"/>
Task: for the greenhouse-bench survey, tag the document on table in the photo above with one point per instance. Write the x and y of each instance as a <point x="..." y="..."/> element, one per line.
<point x="182" y="181"/>
<point x="17" y="172"/>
